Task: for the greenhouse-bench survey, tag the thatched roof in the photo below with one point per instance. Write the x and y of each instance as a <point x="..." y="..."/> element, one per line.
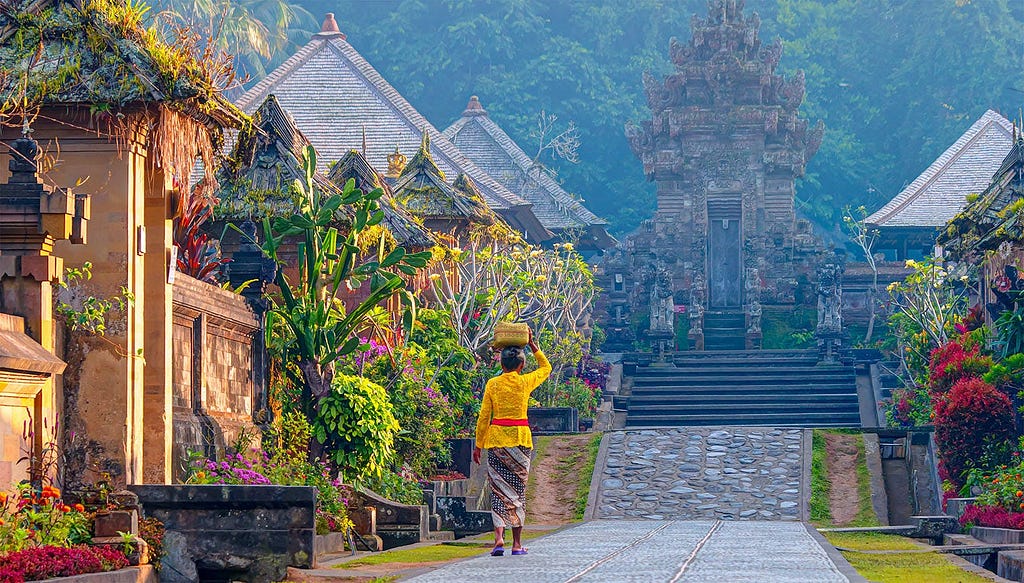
<point x="97" y="53"/>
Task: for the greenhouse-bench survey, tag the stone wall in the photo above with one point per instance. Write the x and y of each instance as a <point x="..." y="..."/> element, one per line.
<point x="232" y="533"/>
<point x="215" y="387"/>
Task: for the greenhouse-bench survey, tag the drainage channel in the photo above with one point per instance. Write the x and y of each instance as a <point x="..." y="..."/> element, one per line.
<point x="636" y="542"/>
<point x="693" y="555"/>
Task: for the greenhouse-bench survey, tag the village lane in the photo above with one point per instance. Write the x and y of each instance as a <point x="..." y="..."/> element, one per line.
<point x="662" y="552"/>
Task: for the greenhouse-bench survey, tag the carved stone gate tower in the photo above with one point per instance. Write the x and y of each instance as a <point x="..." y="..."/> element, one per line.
<point x="724" y="145"/>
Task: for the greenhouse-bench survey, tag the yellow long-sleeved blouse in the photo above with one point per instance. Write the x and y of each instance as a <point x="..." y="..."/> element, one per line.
<point x="506" y="397"/>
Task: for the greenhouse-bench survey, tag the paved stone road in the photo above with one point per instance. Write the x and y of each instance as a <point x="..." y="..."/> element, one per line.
<point x="625" y="551"/>
<point x="728" y="473"/>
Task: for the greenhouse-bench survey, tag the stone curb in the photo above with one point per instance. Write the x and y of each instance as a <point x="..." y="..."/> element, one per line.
<point x="595" y="478"/>
<point x="837" y="558"/>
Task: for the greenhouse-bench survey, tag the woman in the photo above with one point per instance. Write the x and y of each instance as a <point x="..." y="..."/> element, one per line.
<point x="502" y="429"/>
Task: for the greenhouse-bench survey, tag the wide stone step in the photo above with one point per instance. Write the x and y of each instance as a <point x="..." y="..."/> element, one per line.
<point x="828" y="419"/>
<point x="726" y="409"/>
<point x="714" y="363"/>
<point x="737" y="380"/>
<point x="710" y="397"/>
<point x="793" y="371"/>
<point x="664" y="391"/>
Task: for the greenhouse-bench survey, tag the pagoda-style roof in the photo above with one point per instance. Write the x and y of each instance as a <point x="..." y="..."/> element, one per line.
<point x="483" y="141"/>
<point x="424" y="191"/>
<point x="341" y="102"/>
<point x="269" y="160"/>
<point x="96" y="52"/>
<point x="940" y="192"/>
<point x="995" y="216"/>
<point x="402" y="225"/>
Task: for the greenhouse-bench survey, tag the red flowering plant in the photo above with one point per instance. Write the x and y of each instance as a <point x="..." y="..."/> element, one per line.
<point x="955" y="360"/>
<point x="994" y="516"/>
<point x="38" y="517"/>
<point x="47" y="562"/>
<point x="973" y="427"/>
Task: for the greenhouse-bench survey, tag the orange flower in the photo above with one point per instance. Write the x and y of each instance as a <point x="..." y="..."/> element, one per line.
<point x="3" y="498"/>
<point x="79" y="508"/>
<point x="1020" y="493"/>
<point x="65" y="508"/>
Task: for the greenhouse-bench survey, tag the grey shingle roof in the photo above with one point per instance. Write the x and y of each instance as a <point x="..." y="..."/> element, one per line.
<point x="335" y="95"/>
<point x="481" y="139"/>
<point x="966" y="167"/>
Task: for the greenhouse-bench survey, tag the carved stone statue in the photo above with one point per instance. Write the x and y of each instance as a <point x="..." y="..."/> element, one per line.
<point x="829" y="332"/>
<point x="662" y="304"/>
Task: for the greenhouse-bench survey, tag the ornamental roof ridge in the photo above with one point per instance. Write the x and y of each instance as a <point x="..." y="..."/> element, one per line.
<point x="332" y="91"/>
<point x="966" y="166"/>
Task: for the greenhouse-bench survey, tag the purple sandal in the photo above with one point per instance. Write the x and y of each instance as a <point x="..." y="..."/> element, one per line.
<point x="499" y="552"/>
<point x="519" y="552"/>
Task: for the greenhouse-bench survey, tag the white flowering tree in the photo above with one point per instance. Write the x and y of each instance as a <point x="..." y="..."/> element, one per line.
<point x="550" y="289"/>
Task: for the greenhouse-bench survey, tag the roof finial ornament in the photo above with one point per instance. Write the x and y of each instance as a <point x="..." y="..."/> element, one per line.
<point x="474" y="108"/>
<point x="364" y="140"/>
<point x="330" y="27"/>
<point x="396" y="163"/>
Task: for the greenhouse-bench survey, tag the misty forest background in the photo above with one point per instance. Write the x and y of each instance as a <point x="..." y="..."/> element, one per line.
<point x="895" y="81"/>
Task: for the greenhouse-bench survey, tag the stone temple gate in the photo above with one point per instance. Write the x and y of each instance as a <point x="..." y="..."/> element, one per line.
<point x="724" y="145"/>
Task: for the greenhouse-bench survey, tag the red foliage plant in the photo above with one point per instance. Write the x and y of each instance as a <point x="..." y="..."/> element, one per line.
<point x="994" y="516"/>
<point x="47" y="562"/>
<point x="953" y="361"/>
<point x="971" y="419"/>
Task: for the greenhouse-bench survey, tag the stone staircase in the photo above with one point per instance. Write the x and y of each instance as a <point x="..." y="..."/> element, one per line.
<point x="772" y="388"/>
<point x="725" y="331"/>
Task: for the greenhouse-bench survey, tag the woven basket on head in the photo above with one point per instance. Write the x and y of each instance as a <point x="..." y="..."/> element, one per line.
<point x="510" y="334"/>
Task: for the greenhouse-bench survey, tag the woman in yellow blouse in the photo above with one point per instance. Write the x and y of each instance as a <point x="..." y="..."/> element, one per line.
<point x="502" y="429"/>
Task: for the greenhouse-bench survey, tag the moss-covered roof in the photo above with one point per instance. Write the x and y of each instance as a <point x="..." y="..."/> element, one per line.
<point x="405" y="229"/>
<point x="99" y="53"/>
<point x="423" y="191"/>
<point x="995" y="216"/>
<point x="267" y="160"/>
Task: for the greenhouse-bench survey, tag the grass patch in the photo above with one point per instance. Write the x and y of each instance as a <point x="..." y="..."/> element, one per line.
<point x="447" y="551"/>
<point x="540" y="446"/>
<point x="866" y="513"/>
<point x="870" y="541"/>
<point x="821" y="512"/>
<point x="897" y="567"/>
<point x="903" y="567"/>
<point x="821" y="485"/>
<point x="586" y="473"/>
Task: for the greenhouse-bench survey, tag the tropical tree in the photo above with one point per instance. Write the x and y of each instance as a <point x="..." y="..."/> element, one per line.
<point x="310" y="322"/>
<point x="256" y="32"/>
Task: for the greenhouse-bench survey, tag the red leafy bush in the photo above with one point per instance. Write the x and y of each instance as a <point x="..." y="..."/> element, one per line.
<point x="972" y="422"/>
<point x="48" y="562"/>
<point x="994" y="516"/>
<point x="954" y="361"/>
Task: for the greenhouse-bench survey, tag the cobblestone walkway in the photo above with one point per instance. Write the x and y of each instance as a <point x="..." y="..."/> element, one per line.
<point x="623" y="551"/>
<point x="731" y="473"/>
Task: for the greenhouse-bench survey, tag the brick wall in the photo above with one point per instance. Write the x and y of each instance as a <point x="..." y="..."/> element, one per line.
<point x="216" y="387"/>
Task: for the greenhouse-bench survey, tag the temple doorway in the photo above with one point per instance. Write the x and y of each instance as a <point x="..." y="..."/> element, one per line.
<point x="725" y="236"/>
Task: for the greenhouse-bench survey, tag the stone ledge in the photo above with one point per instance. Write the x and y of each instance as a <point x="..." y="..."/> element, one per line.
<point x="141" y="574"/>
<point x="1010" y="565"/>
<point x="1002" y="536"/>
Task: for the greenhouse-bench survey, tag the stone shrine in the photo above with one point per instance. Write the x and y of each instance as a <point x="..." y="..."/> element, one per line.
<point x="724" y="146"/>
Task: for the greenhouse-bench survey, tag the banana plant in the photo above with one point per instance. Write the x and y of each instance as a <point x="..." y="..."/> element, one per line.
<point x="317" y="327"/>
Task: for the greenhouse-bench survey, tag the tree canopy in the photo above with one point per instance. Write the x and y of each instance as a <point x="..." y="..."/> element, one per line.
<point x="895" y="81"/>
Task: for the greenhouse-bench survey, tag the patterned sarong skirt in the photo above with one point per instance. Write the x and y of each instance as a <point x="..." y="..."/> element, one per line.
<point x="508" y="468"/>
